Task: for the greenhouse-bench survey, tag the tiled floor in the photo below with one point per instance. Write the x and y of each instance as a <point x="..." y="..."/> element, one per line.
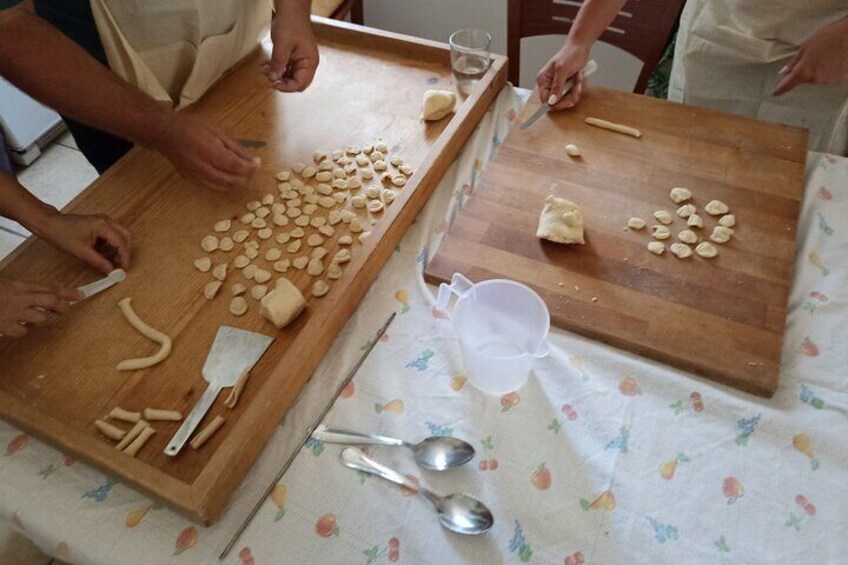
<point x="56" y="178"/>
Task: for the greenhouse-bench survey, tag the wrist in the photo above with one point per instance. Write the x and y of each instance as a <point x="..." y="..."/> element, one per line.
<point x="38" y="219"/>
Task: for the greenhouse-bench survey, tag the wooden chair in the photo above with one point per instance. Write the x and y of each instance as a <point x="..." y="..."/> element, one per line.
<point x="643" y="28"/>
<point x="339" y="9"/>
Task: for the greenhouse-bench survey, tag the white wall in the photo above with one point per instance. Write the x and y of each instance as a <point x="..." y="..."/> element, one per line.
<point x="437" y="19"/>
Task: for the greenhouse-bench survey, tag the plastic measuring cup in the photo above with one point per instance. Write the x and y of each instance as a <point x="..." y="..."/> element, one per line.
<point x="502" y="328"/>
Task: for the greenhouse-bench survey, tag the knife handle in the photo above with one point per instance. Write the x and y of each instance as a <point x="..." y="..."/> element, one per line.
<point x="192" y="420"/>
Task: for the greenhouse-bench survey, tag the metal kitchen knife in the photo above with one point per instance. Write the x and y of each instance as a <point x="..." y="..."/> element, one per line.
<point x="233" y="352"/>
<point x="590" y="68"/>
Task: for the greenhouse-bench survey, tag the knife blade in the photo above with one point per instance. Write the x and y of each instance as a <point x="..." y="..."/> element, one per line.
<point x="252" y="143"/>
<point x="590" y="68"/>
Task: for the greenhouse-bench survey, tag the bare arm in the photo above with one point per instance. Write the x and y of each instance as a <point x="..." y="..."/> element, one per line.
<point x="591" y="21"/>
<point x="53" y="69"/>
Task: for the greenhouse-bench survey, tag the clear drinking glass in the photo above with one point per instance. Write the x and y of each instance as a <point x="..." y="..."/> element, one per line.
<point x="470" y="50"/>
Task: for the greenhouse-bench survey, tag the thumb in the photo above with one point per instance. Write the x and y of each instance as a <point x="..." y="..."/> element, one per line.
<point x="280" y="57"/>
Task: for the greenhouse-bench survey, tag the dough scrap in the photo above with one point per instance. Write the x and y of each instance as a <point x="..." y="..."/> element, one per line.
<point x="203" y="264"/>
<point x="679" y="194"/>
<point x="727" y="221"/>
<point x="247" y="218"/>
<point x="342" y="256"/>
<point x="695" y="221"/>
<point x="308" y="172"/>
<point x="375" y="206"/>
<point x="687" y="236"/>
<point x="251" y="253"/>
<point x="326" y="231"/>
<point x="283" y="176"/>
<point x="238" y="306"/>
<point x="716" y="208"/>
<point x="297" y="233"/>
<point x="706" y="249"/>
<point x="268" y="199"/>
<point x="273" y="254"/>
<point x="663" y="217"/>
<point x="359" y="201"/>
<point x="561" y="221"/>
<point x="318" y="156"/>
<point x="282" y="266"/>
<point x="355" y="225"/>
<point x="302" y="221"/>
<point x="209" y="243"/>
<point x="314" y="240"/>
<point x="372" y="191"/>
<point x="380" y="166"/>
<point x="164" y="415"/>
<point x="262" y="212"/>
<point x="204" y="435"/>
<point x="315" y="267"/>
<point x="572" y="150"/>
<point x="235" y="392"/>
<point x="110" y="431"/>
<point x="211" y="289"/>
<point x="294" y="246"/>
<point x="318" y="253"/>
<point x="354" y="183"/>
<point x="324" y="177"/>
<point x="259" y="223"/>
<point x="258" y="291"/>
<point x="220" y="272"/>
<point x="222" y="226"/>
<point x="238" y="289"/>
<point x="611" y="126"/>
<point x="636" y="223"/>
<point x="334" y="271"/>
<point x="389" y="196"/>
<point x="318" y="221"/>
<point x="226" y="244"/>
<point x="118" y="413"/>
<point x="300" y="263"/>
<point x="240" y="236"/>
<point x="660" y="232"/>
<point x="283" y="304"/>
<point x="656" y="247"/>
<point x="345" y="240"/>
<point x="250" y="271"/>
<point x="363" y="236"/>
<point x="399" y="180"/>
<point x="133" y="448"/>
<point x="406" y="170"/>
<point x="150" y="333"/>
<point x="320" y="288"/>
<point x="262" y="276"/>
<point x="681" y="250"/>
<point x="132" y="434"/>
<point x="327" y="201"/>
<point x="437" y="104"/>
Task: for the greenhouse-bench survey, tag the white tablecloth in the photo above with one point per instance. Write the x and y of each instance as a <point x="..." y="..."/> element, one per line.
<point x="602" y="457"/>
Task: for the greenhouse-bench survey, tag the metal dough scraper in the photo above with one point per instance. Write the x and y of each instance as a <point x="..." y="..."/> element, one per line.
<point x="233" y="352"/>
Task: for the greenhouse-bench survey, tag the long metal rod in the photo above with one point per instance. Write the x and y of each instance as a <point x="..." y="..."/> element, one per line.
<point x="291" y="459"/>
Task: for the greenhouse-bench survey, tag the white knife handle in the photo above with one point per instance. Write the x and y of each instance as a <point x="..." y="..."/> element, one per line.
<point x="192" y="420"/>
<point x="590" y="68"/>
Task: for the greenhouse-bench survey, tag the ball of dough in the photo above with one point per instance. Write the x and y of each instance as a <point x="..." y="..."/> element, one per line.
<point x="572" y="150"/>
<point x="727" y="221"/>
<point x="716" y="208"/>
<point x="663" y="217"/>
<point x="656" y="247"/>
<point x="686" y="210"/>
<point x="681" y="250"/>
<point x="636" y="223"/>
<point x="687" y="236"/>
<point x="721" y="234"/>
<point x="679" y="194"/>
<point x="695" y="221"/>
<point x="283" y="304"/>
<point x="438" y="104"/>
<point x="660" y="232"/>
<point x="561" y="221"/>
<point x="706" y="249"/>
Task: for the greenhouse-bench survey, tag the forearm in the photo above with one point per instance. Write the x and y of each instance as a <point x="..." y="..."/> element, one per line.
<point x="18" y="204"/>
<point x="592" y="19"/>
<point x="40" y="60"/>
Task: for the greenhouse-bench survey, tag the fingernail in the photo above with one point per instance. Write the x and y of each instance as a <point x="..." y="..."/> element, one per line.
<point x="552" y="99"/>
<point x="784" y="70"/>
<point x="570" y="105"/>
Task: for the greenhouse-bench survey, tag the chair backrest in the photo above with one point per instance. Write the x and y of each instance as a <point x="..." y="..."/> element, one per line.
<point x="643" y="28"/>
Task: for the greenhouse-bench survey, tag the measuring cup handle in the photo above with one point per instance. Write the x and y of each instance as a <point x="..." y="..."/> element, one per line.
<point x="459" y="285"/>
<point x="543" y="351"/>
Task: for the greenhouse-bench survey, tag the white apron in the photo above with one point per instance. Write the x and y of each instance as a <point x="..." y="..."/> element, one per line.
<point x="728" y="55"/>
<point x="174" y="50"/>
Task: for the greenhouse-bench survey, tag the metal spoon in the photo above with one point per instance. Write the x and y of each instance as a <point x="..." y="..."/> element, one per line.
<point x="460" y="513"/>
<point x="436" y="453"/>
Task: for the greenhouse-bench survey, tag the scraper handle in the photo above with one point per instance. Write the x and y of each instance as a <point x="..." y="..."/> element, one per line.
<point x="192" y="420"/>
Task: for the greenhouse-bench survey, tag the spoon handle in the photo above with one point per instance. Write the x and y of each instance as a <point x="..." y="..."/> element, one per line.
<point x="354" y="458"/>
<point x="350" y="437"/>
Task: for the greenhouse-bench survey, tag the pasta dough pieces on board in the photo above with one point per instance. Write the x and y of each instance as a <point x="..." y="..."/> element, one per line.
<point x="438" y="104"/>
<point x="561" y="221"/>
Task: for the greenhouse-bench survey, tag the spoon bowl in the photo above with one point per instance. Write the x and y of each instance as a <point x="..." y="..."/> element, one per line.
<point x="439" y="453"/>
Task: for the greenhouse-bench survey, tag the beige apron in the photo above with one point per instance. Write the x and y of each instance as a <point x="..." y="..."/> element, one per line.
<point x="174" y="50"/>
<point x="728" y="55"/>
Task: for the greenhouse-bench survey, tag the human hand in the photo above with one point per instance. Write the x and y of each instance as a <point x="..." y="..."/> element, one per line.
<point x="294" y="59"/>
<point x="821" y="58"/>
<point x="567" y="62"/>
<point x="24" y="305"/>
<point x="98" y="240"/>
<point x="206" y="154"/>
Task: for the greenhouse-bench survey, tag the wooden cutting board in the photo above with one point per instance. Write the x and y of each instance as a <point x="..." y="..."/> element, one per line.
<point x="58" y="380"/>
<point x="721" y="318"/>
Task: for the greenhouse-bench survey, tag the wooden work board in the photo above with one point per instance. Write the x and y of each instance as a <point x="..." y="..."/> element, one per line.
<point x="722" y="318"/>
<point x="58" y="380"/>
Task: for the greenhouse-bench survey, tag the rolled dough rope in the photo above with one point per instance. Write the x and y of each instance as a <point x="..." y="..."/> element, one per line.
<point x="132" y="434"/>
<point x="110" y="431"/>
<point x="235" y="392"/>
<point x="139" y="441"/>
<point x="603" y="124"/>
<point x="150" y="333"/>
<point x="168" y="415"/>
<point x="119" y="413"/>
<point x="201" y="438"/>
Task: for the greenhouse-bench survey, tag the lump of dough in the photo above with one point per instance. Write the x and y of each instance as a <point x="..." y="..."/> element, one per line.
<point x="716" y="208"/>
<point x="222" y="226"/>
<point x="727" y="221"/>
<point x="695" y="221"/>
<point x="636" y="223"/>
<point x="315" y="267"/>
<point x="660" y="232"/>
<point x="437" y="105"/>
<point x="572" y="150"/>
<point x="681" y="250"/>
<point x="226" y="244"/>
<point x="706" y="249"/>
<point x="679" y="194"/>
<point x="203" y="264"/>
<point x="721" y="234"/>
<point x="687" y="236"/>
<point x="663" y="217"/>
<point x="320" y="288"/>
<point x="209" y="243"/>
<point x="686" y="210"/>
<point x="283" y="304"/>
<point x="220" y="271"/>
<point x="334" y="271"/>
<point x="561" y="221"/>
<point x="656" y="247"/>
<point x="238" y="288"/>
<point x="238" y="306"/>
<point x="258" y="291"/>
<point x="211" y="289"/>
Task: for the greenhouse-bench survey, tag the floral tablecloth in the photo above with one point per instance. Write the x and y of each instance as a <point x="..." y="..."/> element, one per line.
<point x="602" y="457"/>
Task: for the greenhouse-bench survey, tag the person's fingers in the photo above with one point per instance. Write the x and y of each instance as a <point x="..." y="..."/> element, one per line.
<point x="241" y="151"/>
<point x="232" y="159"/>
<point x="287" y="84"/>
<point x="793" y="78"/>
<point x="305" y="72"/>
<point x="219" y="180"/>
<point x="26" y="287"/>
<point x="543" y="82"/>
<point x="561" y="75"/>
<point x="573" y="96"/>
<point x="117" y="241"/>
<point x="69" y="293"/>
<point x="280" y="57"/>
<point x="33" y="317"/>
<point x="791" y="64"/>
<point x="14" y="330"/>
<point x="51" y="302"/>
